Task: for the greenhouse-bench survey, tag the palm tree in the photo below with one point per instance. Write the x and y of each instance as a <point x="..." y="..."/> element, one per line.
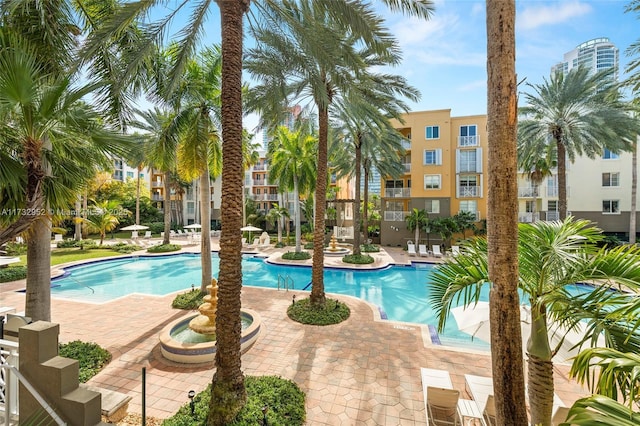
<point x="538" y="166"/>
<point x="502" y="214"/>
<point x="551" y="256"/>
<point x="464" y="221"/>
<point x="291" y="158"/>
<point x="102" y="218"/>
<point x="275" y="216"/>
<point x="415" y="221"/>
<point x="576" y="114"/>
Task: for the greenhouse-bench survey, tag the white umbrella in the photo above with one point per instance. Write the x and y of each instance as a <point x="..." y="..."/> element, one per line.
<point x="134" y="228"/>
<point x="474" y="320"/>
<point x="193" y="226"/>
<point x="250" y="229"/>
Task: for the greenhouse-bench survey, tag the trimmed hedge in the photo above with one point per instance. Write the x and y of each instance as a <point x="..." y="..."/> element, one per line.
<point x="164" y="248"/>
<point x="90" y="356"/>
<point x="292" y="255"/>
<point x="13" y="273"/>
<point x="333" y="312"/>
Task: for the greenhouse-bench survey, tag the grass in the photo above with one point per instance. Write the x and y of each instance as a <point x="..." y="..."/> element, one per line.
<point x="283" y="399"/>
<point x="333" y="312"/>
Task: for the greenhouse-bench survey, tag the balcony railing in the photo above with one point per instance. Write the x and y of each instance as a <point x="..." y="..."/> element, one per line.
<point x="156" y="184"/>
<point x="156" y="197"/>
<point x="264" y="197"/>
<point x="259" y="167"/>
<point x="553" y="215"/>
<point x="397" y="192"/>
<point x="528" y="217"/>
<point x="552" y="191"/>
<point x="406" y="145"/>
<point x="468" y="140"/>
<point x="528" y="192"/>
<point x="262" y="182"/>
<point x="395" y="216"/>
<point x="468" y="168"/>
<point x="468" y="191"/>
<point x="407" y="167"/>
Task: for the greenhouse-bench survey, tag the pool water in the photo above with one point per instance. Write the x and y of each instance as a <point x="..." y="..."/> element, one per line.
<point x="400" y="292"/>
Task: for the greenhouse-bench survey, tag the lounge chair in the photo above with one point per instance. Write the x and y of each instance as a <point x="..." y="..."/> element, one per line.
<point x="411" y="249"/>
<point x="255" y="242"/>
<point x="455" y="250"/>
<point x="442" y="407"/>
<point x="436" y="251"/>
<point x="147" y="235"/>
<point x="422" y="250"/>
<point x="266" y="242"/>
<point x="134" y="235"/>
<point x="244" y="242"/>
<point x="436" y="380"/>
<point x="57" y="237"/>
<point x="489" y="412"/>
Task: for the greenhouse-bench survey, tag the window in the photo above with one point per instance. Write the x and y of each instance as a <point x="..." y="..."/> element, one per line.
<point x="432" y="206"/>
<point x="191" y="207"/>
<point x="394" y="184"/>
<point x="552" y="205"/>
<point x="611" y="179"/>
<point x="432" y="157"/>
<point x="129" y="175"/>
<point x="432" y="181"/>
<point x="529" y="206"/>
<point x="141" y="175"/>
<point x="610" y="206"/>
<point x="432" y="132"/>
<point x="470" y="206"/>
<point x="608" y="155"/>
<point x="469" y="160"/>
<point x="468" y="135"/>
<point x="117" y="164"/>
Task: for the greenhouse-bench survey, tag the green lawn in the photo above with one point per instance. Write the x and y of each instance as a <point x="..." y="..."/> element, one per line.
<point x="59" y="256"/>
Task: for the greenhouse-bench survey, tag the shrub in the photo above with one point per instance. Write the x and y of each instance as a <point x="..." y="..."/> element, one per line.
<point x="189" y="300"/>
<point x="308" y="236"/>
<point x="370" y="248"/>
<point x="13" y="273"/>
<point x="164" y="248"/>
<point x="155" y="227"/>
<point x="283" y="397"/>
<point x="90" y="356"/>
<point x="333" y="312"/>
<point x="82" y="244"/>
<point x="124" y="248"/>
<point x="292" y="255"/>
<point x="308" y="246"/>
<point x="15" y="249"/>
<point x="280" y="244"/>
<point x="358" y="259"/>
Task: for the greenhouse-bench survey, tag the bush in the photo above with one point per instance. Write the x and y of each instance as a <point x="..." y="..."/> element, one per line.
<point x="164" y="248"/>
<point x="155" y="227"/>
<point x="308" y="236"/>
<point x="13" y="273"/>
<point x="280" y="244"/>
<point x="15" y="249"/>
<point x="333" y="312"/>
<point x="90" y="356"/>
<point x="292" y="255"/>
<point x="189" y="301"/>
<point x="123" y="248"/>
<point x="283" y="397"/>
<point x="370" y="248"/>
<point x="308" y="246"/>
<point x="358" y="259"/>
<point x="83" y="244"/>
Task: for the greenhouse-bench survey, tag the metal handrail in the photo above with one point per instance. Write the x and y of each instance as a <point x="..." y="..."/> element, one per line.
<point x="10" y="369"/>
<point x="284" y="282"/>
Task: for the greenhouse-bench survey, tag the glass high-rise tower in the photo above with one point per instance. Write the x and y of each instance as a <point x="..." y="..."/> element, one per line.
<point x="596" y="55"/>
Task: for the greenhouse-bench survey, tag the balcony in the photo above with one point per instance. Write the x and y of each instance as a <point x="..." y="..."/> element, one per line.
<point x="528" y="192"/>
<point x="407" y="167"/>
<point x="528" y="217"/>
<point x="257" y="167"/>
<point x="264" y="197"/>
<point x="156" y="184"/>
<point x="157" y="197"/>
<point x="468" y="140"/>
<point x="468" y="191"/>
<point x="397" y="192"/>
<point x="406" y="145"/>
<point x="395" y="216"/>
<point x="553" y="215"/>
<point x="262" y="182"/>
<point x="552" y="191"/>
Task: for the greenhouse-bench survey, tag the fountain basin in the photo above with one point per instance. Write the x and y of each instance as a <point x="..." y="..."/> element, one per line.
<point x="178" y="343"/>
<point x="337" y="251"/>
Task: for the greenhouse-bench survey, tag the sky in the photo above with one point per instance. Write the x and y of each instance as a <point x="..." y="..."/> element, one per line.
<point x="445" y="57"/>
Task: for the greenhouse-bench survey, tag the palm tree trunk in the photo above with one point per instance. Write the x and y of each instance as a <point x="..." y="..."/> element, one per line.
<point x="296" y="197"/>
<point x="138" y="198"/>
<point x="634" y="193"/>
<point x="228" y="394"/>
<point x="356" y="204"/>
<point x="78" y="219"/>
<point x="318" y="297"/>
<point x="365" y="206"/>
<point x="562" y="177"/>
<point x="540" y="374"/>
<point x="38" y="294"/>
<point x="502" y="217"/>
<point x="205" y="234"/>
<point x="167" y="208"/>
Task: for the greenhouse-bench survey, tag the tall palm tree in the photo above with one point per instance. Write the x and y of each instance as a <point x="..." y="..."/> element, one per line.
<point x="276" y="216"/>
<point x="102" y="218"/>
<point x="551" y="256"/>
<point x="502" y="213"/>
<point x="291" y="157"/>
<point x="228" y="393"/>
<point x="575" y="114"/>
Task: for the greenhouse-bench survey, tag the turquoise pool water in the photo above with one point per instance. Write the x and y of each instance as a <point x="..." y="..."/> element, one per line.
<point x="400" y="292"/>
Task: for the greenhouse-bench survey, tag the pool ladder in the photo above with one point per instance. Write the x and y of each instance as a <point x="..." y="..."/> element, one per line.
<point x="285" y="283"/>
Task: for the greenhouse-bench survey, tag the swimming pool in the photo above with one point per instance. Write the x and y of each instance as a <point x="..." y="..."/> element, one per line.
<point x="400" y="292"/>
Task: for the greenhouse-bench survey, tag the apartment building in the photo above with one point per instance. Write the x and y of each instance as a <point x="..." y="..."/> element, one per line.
<point x="445" y="163"/>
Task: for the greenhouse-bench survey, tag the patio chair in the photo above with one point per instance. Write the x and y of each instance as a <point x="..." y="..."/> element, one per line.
<point x="266" y="241"/>
<point x="489" y="412"/>
<point x="435" y="379"/>
<point x="411" y="248"/>
<point x="455" y="250"/>
<point x="57" y="237"/>
<point x="422" y="250"/>
<point x="436" y="251"/>
<point x="442" y="407"/>
<point x="147" y="235"/>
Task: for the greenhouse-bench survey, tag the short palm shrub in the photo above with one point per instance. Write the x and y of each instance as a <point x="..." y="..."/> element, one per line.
<point x="283" y="399"/>
<point x="123" y="248"/>
<point x="333" y="312"/>
<point x="292" y="255"/>
<point x="358" y="259"/>
<point x="91" y="357"/>
<point x="164" y="248"/>
<point x="15" y="249"/>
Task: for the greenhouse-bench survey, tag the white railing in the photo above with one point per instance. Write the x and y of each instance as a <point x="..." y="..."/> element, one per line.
<point x="406" y="145"/>
<point x="528" y="217"/>
<point x="407" y="167"/>
<point x="468" y="191"/>
<point x="552" y="191"/>
<point x="264" y="197"/>
<point x="553" y="215"/>
<point x="156" y="184"/>
<point x="343" y="232"/>
<point x="527" y="192"/>
<point x="8" y="383"/>
<point x="397" y="192"/>
<point x="395" y="216"/>
<point x="263" y="182"/>
<point x="468" y="140"/>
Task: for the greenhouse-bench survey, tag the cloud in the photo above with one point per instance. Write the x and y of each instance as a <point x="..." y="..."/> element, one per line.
<point x="472" y="86"/>
<point x="538" y="16"/>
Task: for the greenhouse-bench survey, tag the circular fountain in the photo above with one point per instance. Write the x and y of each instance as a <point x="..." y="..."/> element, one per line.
<point x="192" y="339"/>
<point x="334" y="249"/>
